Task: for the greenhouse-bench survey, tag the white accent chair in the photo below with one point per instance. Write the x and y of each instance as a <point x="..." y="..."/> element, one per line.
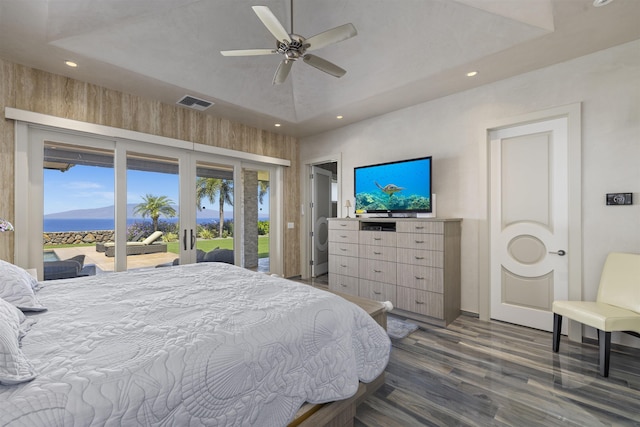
<point x="617" y="306"/>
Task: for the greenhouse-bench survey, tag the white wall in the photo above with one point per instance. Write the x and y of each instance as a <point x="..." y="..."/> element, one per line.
<point x="452" y="130"/>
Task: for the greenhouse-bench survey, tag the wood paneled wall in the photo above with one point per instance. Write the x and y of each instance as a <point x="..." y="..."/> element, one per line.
<point x="33" y="90"/>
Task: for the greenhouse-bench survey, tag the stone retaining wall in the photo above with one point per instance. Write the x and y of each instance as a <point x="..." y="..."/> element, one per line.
<point x="77" y="237"/>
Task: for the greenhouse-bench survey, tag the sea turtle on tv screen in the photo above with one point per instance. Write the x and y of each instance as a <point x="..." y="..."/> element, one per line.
<point x="389" y="189"/>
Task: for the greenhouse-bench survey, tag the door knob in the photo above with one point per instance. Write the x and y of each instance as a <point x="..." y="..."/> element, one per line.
<point x="560" y="253"/>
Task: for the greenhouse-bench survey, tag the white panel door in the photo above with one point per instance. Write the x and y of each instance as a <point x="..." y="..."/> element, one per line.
<point x="321" y="210"/>
<point x="529" y="222"/>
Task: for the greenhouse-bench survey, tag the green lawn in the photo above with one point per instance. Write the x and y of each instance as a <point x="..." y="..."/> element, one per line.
<point x="207" y="245"/>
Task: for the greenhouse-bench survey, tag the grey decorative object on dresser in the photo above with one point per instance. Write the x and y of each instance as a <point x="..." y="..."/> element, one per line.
<point x="412" y="262"/>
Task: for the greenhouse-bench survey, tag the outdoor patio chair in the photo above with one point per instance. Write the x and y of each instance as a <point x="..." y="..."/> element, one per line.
<point x="147" y="246"/>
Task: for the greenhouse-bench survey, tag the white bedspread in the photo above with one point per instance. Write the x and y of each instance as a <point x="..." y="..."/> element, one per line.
<point x="207" y="344"/>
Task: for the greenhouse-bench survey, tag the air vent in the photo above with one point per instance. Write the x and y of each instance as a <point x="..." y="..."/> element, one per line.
<point x="195" y="103"/>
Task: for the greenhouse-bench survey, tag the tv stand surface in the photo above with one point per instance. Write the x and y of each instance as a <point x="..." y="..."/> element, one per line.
<point x="412" y="262"/>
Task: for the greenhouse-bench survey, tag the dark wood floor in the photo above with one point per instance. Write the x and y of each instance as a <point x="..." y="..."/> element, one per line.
<point x="477" y="373"/>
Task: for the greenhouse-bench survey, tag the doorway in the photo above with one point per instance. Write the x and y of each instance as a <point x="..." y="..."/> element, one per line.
<point x="323" y="203"/>
<point x="533" y="211"/>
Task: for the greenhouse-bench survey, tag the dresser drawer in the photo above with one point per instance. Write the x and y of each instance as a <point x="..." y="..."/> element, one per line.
<point x="343" y="249"/>
<point x="432" y="242"/>
<point x="344" y="265"/>
<point x="344" y="224"/>
<point x="421" y="277"/>
<point x="343" y="236"/>
<point x="421" y="257"/>
<point x="377" y="291"/>
<point x="378" y="271"/>
<point x="382" y="253"/>
<point x="378" y="238"/>
<point x="426" y="303"/>
<point x="344" y="284"/>
<point x="432" y="227"/>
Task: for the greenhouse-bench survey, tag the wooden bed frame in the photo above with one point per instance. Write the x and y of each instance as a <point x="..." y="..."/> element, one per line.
<point x="341" y="413"/>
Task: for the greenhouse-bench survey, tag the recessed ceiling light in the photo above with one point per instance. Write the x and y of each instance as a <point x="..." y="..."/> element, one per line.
<point x="71" y="64"/>
<point x="277" y="125"/>
<point x="338" y="117"/>
<point x="598" y="3"/>
<point x="472" y="73"/>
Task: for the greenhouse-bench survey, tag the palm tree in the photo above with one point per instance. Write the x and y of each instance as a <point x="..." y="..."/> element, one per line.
<point x="209" y="188"/>
<point x="263" y="186"/>
<point x="154" y="206"/>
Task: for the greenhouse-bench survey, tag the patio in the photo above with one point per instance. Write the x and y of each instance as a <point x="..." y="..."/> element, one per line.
<point x="105" y="264"/>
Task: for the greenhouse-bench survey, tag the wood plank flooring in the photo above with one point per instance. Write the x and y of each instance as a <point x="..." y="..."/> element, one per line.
<point x="477" y="373"/>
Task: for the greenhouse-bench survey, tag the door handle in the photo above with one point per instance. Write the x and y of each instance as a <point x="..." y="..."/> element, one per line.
<point x="559" y="253"/>
<point x="184" y="240"/>
<point x="193" y="239"/>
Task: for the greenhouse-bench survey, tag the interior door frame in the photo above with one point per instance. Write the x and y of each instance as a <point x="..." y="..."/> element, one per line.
<point x="306" y="225"/>
<point x="315" y="170"/>
<point x="573" y="113"/>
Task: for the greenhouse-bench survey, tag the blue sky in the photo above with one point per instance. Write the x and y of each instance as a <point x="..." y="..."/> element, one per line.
<point x="87" y="187"/>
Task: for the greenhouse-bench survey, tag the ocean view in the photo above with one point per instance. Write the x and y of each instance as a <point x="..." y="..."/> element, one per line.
<point x="52" y="225"/>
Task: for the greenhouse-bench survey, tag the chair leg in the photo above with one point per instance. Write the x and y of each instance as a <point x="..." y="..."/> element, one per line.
<point x="557" y="327"/>
<point x="604" y="341"/>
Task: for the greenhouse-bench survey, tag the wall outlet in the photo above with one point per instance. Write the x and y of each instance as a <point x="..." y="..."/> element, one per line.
<point x="291" y="225"/>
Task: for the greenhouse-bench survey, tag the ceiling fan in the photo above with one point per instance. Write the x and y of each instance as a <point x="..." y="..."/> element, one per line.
<point x="293" y="46"/>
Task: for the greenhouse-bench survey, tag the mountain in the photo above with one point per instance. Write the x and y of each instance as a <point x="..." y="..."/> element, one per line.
<point x="107" y="212"/>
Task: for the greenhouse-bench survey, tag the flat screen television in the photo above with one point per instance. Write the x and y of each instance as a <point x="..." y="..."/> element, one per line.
<point x="394" y="187"/>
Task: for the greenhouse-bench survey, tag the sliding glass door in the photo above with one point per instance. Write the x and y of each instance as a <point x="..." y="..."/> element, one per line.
<point x="134" y="204"/>
<point x="215" y="196"/>
<point x="79" y="208"/>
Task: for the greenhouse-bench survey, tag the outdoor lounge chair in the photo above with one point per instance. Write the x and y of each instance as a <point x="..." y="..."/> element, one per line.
<point x="147" y="246"/>
<point x="68" y="268"/>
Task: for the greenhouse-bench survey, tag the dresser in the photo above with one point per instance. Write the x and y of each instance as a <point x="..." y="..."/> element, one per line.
<point x="412" y="262"/>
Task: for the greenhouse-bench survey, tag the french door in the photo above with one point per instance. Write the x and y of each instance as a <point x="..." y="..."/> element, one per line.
<point x="144" y="197"/>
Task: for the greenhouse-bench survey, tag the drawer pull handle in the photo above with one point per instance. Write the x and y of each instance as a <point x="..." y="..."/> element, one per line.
<point x="419" y="257"/>
<point x="343" y="225"/>
<point x="343" y="285"/>
<point x="419" y="278"/>
<point x="377" y="271"/>
<point x="419" y="241"/>
<point x="419" y="228"/>
<point x="419" y="302"/>
<point x="377" y="238"/>
<point x="377" y="253"/>
<point x="343" y="249"/>
<point x="344" y="237"/>
<point x="377" y="293"/>
<point x="343" y="265"/>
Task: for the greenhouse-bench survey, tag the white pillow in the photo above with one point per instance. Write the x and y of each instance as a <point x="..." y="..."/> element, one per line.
<point x="16" y="287"/>
<point x="14" y="366"/>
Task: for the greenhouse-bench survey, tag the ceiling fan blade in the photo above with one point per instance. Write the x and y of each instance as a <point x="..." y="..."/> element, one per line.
<point x="282" y="72"/>
<point x="271" y="22"/>
<point x="247" y="52"/>
<point x="331" y="36"/>
<point x="324" y="65"/>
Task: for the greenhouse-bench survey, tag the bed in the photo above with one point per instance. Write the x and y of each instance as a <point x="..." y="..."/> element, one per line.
<point x="206" y="344"/>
